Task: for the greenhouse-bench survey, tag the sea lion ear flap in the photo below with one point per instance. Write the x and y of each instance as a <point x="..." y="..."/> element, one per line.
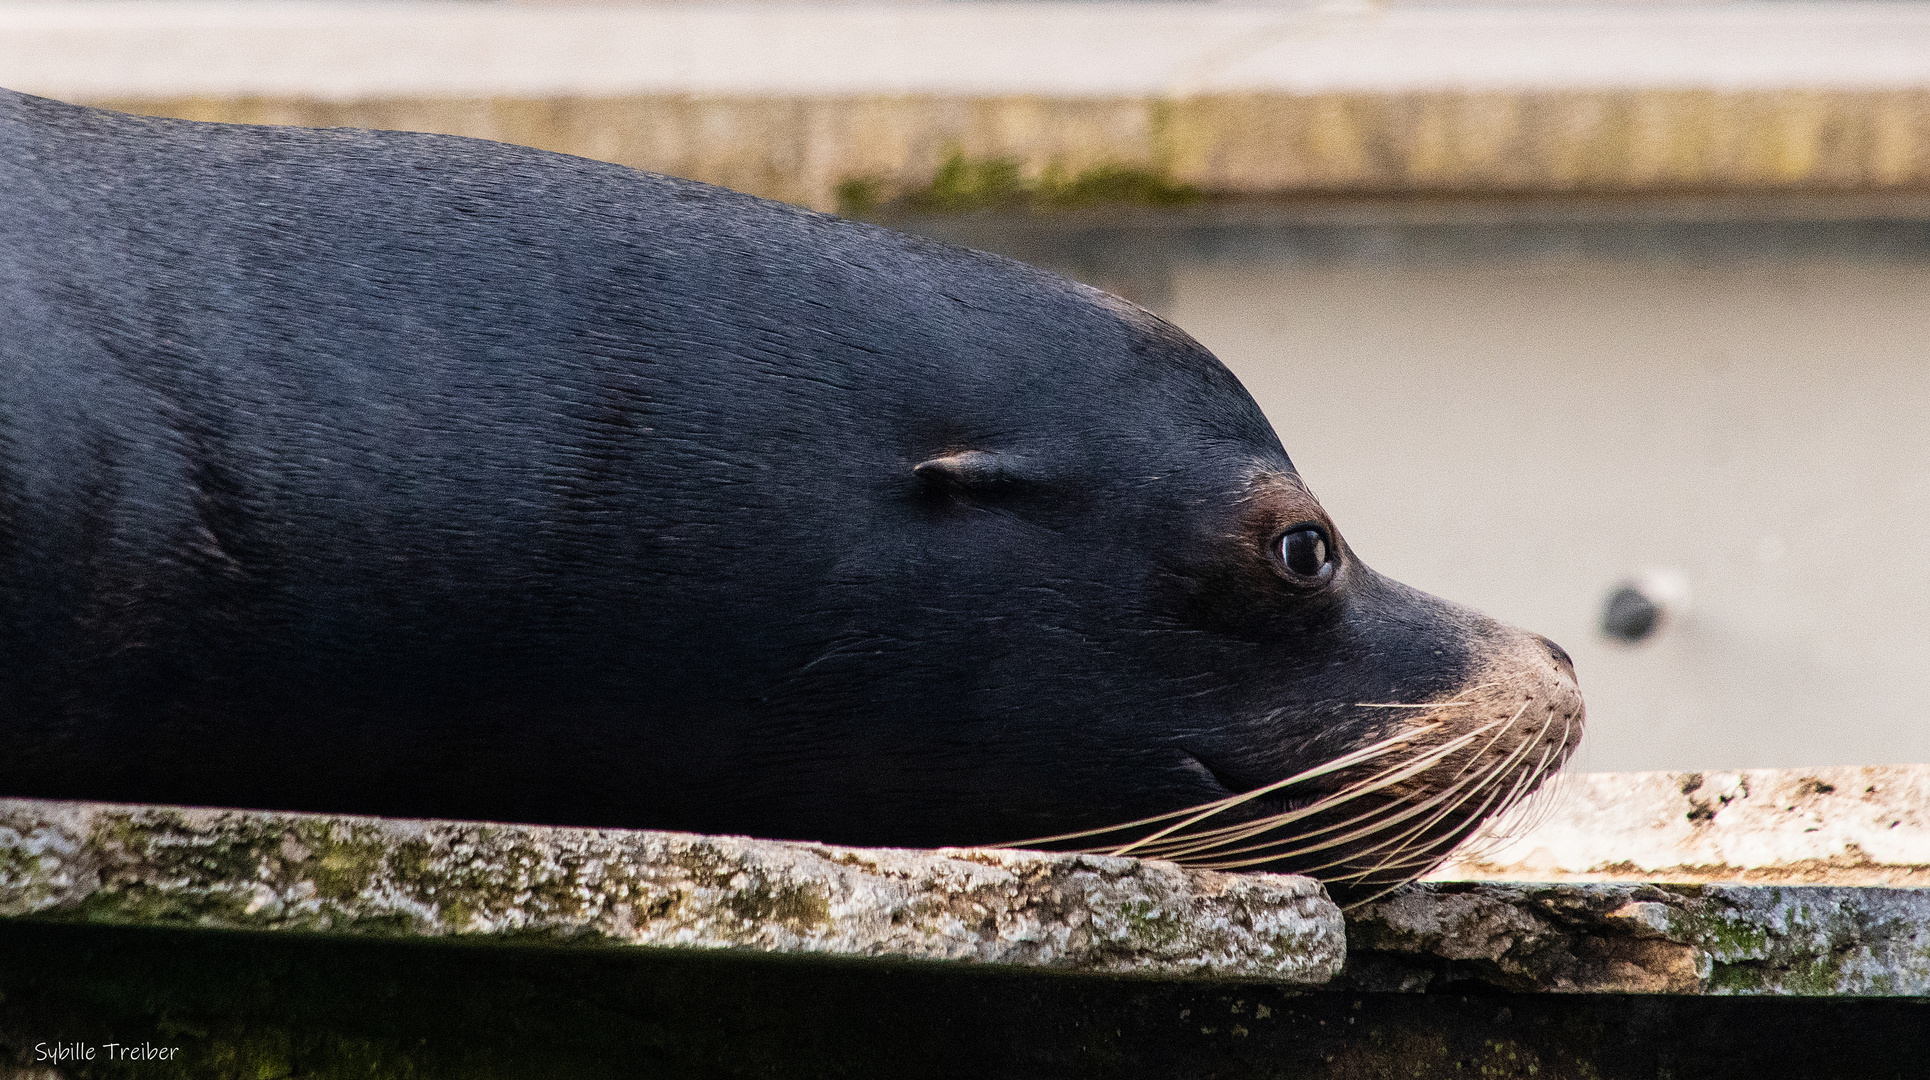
<point x="977" y="471"/>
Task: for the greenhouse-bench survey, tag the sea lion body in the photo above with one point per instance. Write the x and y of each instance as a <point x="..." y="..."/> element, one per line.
<point x="413" y="475"/>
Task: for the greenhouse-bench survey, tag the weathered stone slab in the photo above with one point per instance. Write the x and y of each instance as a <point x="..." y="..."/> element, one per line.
<point x="255" y="870"/>
<point x="1603" y="938"/>
<point x="1760" y="881"/>
<point x="1846" y="825"/>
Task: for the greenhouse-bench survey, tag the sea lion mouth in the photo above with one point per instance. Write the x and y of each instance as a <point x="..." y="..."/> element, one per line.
<point x="1383" y="814"/>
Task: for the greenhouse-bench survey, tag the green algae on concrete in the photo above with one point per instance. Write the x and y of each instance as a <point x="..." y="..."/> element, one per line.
<point x="964" y="184"/>
<point x="1616" y="938"/>
<point x="254" y="870"/>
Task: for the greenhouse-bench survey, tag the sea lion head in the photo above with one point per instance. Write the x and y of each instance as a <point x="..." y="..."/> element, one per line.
<point x="1157" y="641"/>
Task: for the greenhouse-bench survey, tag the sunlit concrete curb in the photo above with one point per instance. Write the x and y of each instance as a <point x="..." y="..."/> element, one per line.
<point x="800" y="101"/>
<point x="250" y="870"/>
<point x="1841" y="825"/>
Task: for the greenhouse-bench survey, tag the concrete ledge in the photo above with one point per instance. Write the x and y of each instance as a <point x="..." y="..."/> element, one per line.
<point x="251" y="870"/>
<point x="168" y="867"/>
<point x="1753" y="882"/>
<point x="803" y="101"/>
<point x="1801" y="941"/>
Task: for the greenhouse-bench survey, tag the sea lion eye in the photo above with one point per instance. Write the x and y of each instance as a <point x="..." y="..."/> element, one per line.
<point x="1304" y="553"/>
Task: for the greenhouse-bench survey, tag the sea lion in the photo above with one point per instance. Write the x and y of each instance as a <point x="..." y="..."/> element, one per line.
<point x="401" y="474"/>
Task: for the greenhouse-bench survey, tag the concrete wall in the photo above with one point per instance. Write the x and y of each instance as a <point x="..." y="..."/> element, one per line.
<point x="793" y="100"/>
<point x="800" y="149"/>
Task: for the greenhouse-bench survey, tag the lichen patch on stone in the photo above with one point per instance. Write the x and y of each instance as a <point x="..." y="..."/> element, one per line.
<point x="1617" y="938"/>
<point x="256" y="870"/>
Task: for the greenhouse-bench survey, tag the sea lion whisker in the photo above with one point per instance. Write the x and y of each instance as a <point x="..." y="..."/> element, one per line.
<point x="1344" y="861"/>
<point x="1377" y="824"/>
<point x="1472" y="785"/>
<point x="1420" y="762"/>
<point x="1371" y="897"/>
<point x="1456" y="701"/>
<point x="1418" y="859"/>
<point x="1345" y="761"/>
<point x="1499" y="771"/>
<point x="1493" y="778"/>
<point x="1406" y="856"/>
<point x="1526" y="779"/>
<point x="1217" y="847"/>
<point x="1386" y="887"/>
<point x="1475" y="758"/>
<point x="1547" y="796"/>
<point x="1557" y="754"/>
<point x="1411" y="847"/>
<point x="1420" y="856"/>
<point x="1382" y="818"/>
<point x="1243" y="830"/>
<point x="1352" y="758"/>
<point x="1407" y="852"/>
<point x="1457" y="780"/>
<point x="1431" y="852"/>
<point x="1232" y="835"/>
<point x="1523" y="817"/>
<point x="1364" y="754"/>
<point x="1413" y="851"/>
<point x="1194" y="845"/>
<point x="1426" y="705"/>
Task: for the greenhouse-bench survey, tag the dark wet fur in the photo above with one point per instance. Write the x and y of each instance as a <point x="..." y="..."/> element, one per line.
<point x="413" y="475"/>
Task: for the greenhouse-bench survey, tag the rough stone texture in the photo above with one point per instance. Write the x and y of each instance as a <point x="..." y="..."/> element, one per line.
<point x="252" y="870"/>
<point x="1802" y="940"/>
<point x="355" y="877"/>
<point x="1848" y="825"/>
<point x="791" y="101"/>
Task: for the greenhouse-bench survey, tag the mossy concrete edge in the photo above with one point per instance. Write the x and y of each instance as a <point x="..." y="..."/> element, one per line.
<point x="266" y="871"/>
<point x="1626" y="938"/>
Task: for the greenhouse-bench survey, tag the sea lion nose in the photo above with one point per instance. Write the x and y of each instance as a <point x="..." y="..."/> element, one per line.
<point x="1562" y="660"/>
